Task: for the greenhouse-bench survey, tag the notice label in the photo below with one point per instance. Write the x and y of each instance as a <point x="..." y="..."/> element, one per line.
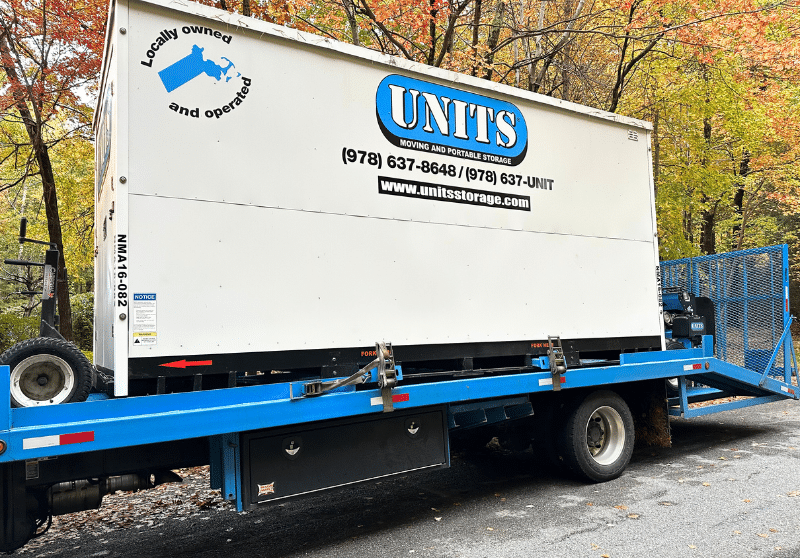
<point x="143" y="325"/>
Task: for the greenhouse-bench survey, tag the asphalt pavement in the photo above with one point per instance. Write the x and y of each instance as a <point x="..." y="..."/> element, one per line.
<point x="727" y="487"/>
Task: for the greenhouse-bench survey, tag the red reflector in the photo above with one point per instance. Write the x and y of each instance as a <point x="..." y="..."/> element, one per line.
<point x="563" y="380"/>
<point x="697" y="366"/>
<point x="77" y="438"/>
<point x="399" y="398"/>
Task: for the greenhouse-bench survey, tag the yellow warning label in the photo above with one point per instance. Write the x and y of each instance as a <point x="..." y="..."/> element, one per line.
<point x="144" y="334"/>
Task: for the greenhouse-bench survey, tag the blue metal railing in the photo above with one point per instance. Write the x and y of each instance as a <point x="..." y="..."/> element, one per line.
<point x="750" y="292"/>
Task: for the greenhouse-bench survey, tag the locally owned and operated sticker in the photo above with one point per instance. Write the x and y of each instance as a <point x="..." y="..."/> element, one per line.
<point x="194" y="54"/>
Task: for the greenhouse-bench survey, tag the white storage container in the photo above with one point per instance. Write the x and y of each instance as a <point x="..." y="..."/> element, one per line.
<point x="269" y="199"/>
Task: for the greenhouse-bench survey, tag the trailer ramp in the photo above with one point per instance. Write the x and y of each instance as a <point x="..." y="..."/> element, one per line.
<point x="755" y="358"/>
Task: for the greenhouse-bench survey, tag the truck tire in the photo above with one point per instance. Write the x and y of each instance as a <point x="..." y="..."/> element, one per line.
<point x="46" y="371"/>
<point x="598" y="437"/>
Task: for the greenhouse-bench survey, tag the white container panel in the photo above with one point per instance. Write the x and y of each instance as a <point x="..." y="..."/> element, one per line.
<point x="244" y="279"/>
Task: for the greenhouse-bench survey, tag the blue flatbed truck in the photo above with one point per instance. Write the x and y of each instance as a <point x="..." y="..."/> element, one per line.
<point x="500" y="245"/>
<point x="269" y="442"/>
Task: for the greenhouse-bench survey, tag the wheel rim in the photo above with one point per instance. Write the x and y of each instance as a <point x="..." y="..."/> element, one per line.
<point x="41" y="380"/>
<point x="605" y="435"/>
<point x="673" y="384"/>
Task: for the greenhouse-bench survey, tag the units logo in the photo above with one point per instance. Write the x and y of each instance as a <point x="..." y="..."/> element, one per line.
<point x="198" y="80"/>
<point x="415" y="114"/>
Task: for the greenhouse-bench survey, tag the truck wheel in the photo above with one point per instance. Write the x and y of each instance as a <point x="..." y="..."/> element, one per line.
<point x="46" y="371"/>
<point x="598" y="437"/>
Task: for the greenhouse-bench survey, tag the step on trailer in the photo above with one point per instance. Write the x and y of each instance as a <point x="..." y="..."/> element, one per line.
<point x="269" y="204"/>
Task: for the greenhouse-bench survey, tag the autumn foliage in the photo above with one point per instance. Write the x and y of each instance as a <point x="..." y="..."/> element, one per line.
<point x="718" y="79"/>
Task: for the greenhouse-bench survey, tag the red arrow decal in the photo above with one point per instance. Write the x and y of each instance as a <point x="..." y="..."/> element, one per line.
<point x="185" y="363"/>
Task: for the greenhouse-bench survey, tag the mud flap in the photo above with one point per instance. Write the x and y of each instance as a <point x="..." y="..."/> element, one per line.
<point x="17" y="523"/>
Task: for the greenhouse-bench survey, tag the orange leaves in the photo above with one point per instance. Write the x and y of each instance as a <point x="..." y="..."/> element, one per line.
<point x="55" y="47"/>
<point x="758" y="33"/>
<point x="73" y="25"/>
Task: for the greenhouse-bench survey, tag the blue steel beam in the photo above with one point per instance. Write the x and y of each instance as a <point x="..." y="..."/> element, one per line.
<point x="787" y="333"/>
<point x="163" y="418"/>
<point x="719" y="407"/>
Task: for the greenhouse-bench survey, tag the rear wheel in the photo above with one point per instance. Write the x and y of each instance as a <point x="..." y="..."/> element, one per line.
<point x="46" y="371"/>
<point x="598" y="437"/>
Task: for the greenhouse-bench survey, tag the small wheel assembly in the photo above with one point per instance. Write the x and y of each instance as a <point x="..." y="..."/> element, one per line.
<point x="47" y="371"/>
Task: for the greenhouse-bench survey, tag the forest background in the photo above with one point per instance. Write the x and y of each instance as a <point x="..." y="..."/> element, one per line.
<point x="719" y="80"/>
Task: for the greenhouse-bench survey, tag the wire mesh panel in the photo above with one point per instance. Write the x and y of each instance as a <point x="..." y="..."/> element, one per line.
<point x="749" y="290"/>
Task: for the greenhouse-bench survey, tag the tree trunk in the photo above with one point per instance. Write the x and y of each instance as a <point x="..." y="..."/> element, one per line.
<point x="476" y="23"/>
<point x="494" y="37"/>
<point x="350" y="10"/>
<point x="708" y="242"/>
<point x="656" y="153"/>
<point x="565" y="74"/>
<point x="688" y="225"/>
<point x="738" y="199"/>
<point x="54" y="230"/>
<point x="707" y="237"/>
<point x="533" y="82"/>
<point x="432" y="32"/>
<point x="515" y="29"/>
